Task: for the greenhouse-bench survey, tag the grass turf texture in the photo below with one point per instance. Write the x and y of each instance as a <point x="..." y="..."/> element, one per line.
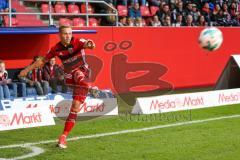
<point x="209" y="140"/>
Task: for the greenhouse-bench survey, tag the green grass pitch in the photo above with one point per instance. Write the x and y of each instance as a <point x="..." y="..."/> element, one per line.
<point x="213" y="140"/>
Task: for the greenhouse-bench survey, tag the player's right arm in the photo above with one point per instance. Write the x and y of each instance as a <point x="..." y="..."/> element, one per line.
<point x="38" y="63"/>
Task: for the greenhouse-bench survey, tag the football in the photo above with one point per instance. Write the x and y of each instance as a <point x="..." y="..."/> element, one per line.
<point x="211" y="38"/>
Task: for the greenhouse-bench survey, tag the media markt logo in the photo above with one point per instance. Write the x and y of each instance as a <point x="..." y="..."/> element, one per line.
<point x="4" y="120"/>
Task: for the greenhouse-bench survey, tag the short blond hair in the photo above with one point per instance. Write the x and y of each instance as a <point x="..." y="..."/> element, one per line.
<point x="2" y="62"/>
<point x="61" y="28"/>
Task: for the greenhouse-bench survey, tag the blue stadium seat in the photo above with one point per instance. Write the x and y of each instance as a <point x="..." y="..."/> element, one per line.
<point x="24" y="90"/>
<point x="21" y="89"/>
<point x="13" y="90"/>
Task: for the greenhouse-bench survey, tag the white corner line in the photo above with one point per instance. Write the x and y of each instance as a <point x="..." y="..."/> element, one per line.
<point x="35" y="151"/>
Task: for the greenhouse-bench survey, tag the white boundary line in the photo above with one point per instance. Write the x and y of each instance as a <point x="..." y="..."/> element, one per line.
<point x="34" y="153"/>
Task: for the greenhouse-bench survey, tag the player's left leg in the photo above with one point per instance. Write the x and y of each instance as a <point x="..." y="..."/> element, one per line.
<point x="80" y="90"/>
<point x="70" y="122"/>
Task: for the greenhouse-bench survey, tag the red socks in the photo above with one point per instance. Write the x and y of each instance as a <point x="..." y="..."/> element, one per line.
<point x="70" y="122"/>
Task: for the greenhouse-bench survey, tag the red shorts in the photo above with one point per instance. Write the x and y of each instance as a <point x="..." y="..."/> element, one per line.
<point x="78" y="81"/>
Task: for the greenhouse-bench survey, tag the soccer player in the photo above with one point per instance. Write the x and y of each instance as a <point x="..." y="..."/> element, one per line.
<point x="71" y="52"/>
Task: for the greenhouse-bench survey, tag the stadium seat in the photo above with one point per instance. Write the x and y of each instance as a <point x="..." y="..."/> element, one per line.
<point x="78" y="22"/>
<point x="45" y="8"/>
<point x="27" y="90"/>
<point x="60" y="8"/>
<point x="153" y="10"/>
<point x="65" y="22"/>
<point x="145" y="11"/>
<point x="93" y="22"/>
<point x="21" y="89"/>
<point x="13" y="90"/>
<point x="7" y="22"/>
<point x="84" y="10"/>
<point x="72" y="8"/>
<point x="122" y="10"/>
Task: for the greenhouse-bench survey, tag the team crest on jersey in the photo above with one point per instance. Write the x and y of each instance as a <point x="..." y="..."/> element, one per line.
<point x="70" y="50"/>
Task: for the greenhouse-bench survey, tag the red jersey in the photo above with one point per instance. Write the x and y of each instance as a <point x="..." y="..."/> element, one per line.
<point x="72" y="56"/>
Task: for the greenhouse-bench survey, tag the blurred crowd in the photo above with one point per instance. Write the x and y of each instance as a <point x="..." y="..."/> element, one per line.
<point x="167" y="12"/>
<point x="40" y="81"/>
<point x="51" y="75"/>
<point x="181" y="12"/>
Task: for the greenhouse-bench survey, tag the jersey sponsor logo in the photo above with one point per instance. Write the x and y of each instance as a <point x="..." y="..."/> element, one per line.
<point x="69" y="60"/>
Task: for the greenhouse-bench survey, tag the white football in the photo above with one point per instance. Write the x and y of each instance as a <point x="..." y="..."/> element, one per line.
<point x="211" y="38"/>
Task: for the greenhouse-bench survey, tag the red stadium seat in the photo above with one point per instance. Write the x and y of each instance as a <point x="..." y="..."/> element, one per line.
<point x="145" y="11"/>
<point x="45" y="8"/>
<point x="78" y="22"/>
<point x="154" y="10"/>
<point x="60" y="8"/>
<point x="65" y="22"/>
<point x="7" y="22"/>
<point x="72" y="8"/>
<point x="122" y="10"/>
<point x="93" y="22"/>
<point x="84" y="10"/>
